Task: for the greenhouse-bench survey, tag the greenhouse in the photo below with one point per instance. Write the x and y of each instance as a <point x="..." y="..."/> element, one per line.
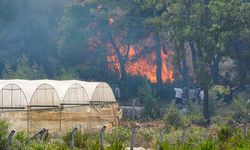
<point x="57" y="105"/>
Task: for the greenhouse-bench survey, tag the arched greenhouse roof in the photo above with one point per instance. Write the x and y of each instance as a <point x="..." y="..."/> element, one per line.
<point x="99" y="91"/>
<point x="52" y="92"/>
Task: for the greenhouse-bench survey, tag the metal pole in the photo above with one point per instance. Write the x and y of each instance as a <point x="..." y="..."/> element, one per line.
<point x="134" y="130"/>
<point x="72" y="140"/>
<point x="10" y="139"/>
<point x="102" y="137"/>
<point x="161" y="138"/>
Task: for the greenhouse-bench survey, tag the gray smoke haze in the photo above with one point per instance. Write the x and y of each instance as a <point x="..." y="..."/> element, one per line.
<point x="30" y="27"/>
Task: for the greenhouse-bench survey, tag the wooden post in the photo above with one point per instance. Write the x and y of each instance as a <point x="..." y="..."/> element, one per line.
<point x="10" y="139"/>
<point x="72" y="140"/>
<point x="102" y="137"/>
<point x="161" y="138"/>
<point x="28" y="120"/>
<point x="245" y="129"/>
<point x="60" y="113"/>
<point x="134" y="130"/>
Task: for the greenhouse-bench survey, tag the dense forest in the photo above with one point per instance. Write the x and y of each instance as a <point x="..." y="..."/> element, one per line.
<point x="146" y="47"/>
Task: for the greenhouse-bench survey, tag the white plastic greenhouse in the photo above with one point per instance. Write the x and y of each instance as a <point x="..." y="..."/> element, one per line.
<point x="57" y="105"/>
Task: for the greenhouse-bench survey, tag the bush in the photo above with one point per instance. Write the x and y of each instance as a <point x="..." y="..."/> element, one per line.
<point x="3" y="134"/>
<point x="145" y="137"/>
<point x="173" y="118"/>
<point x="207" y="145"/>
<point x="20" y="140"/>
<point x="116" y="146"/>
<point x="118" y="135"/>
<point x="151" y="109"/>
<point x="241" y="110"/>
<point x="225" y="133"/>
<point x="83" y="141"/>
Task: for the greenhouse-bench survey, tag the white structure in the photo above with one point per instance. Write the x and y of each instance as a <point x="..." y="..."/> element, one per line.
<point x="20" y="94"/>
<point x="57" y="106"/>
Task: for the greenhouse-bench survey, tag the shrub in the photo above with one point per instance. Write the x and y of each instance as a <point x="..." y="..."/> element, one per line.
<point x="82" y="140"/>
<point x="118" y="135"/>
<point x="145" y="137"/>
<point x="3" y="134"/>
<point x="57" y="145"/>
<point x="20" y="140"/>
<point x="116" y="146"/>
<point x="173" y="118"/>
<point x="151" y="109"/>
<point x="207" y="145"/>
<point x="225" y="133"/>
<point x="241" y="110"/>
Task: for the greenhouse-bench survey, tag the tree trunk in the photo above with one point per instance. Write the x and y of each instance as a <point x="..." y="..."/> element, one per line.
<point x="123" y="70"/>
<point x="241" y="69"/>
<point x="184" y="67"/>
<point x="158" y="61"/>
<point x="215" y="68"/>
<point x="206" y="112"/>
<point x="122" y="60"/>
<point x="193" y="51"/>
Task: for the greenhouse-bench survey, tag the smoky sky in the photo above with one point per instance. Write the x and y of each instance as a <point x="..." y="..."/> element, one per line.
<point x="30" y="27"/>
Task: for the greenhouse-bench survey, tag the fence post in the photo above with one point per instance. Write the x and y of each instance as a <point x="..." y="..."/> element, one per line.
<point x="10" y="139"/>
<point x="161" y="138"/>
<point x="134" y="130"/>
<point x="133" y="109"/>
<point x="44" y="134"/>
<point x="245" y="129"/>
<point x="72" y="140"/>
<point x="102" y="137"/>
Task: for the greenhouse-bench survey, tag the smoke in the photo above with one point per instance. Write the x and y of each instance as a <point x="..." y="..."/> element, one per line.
<point x="30" y="27"/>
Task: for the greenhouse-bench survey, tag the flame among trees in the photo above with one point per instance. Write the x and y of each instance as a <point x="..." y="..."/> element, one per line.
<point x="139" y="64"/>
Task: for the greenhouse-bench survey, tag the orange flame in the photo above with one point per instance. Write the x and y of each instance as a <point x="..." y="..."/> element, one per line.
<point x="144" y="66"/>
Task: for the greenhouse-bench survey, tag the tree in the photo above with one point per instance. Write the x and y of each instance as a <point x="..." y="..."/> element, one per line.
<point x="23" y="70"/>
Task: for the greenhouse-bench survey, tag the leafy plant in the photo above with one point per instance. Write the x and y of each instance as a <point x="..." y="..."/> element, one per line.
<point x="20" y="140"/>
<point x="3" y="133"/>
<point x="118" y="135"/>
<point x="207" y="145"/>
<point x="116" y="146"/>
<point x="225" y="133"/>
<point x="82" y="140"/>
<point x="173" y="118"/>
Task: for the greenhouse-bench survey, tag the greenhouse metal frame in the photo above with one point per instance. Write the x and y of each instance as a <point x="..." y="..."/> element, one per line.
<point x="59" y="105"/>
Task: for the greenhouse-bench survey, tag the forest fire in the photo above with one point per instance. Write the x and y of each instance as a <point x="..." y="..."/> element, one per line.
<point x="144" y="66"/>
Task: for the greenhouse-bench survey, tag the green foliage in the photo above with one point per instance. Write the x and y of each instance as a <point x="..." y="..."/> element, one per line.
<point x="146" y="137"/>
<point x="82" y="140"/>
<point x="129" y="91"/>
<point x="23" y="70"/>
<point x="118" y="135"/>
<point x="225" y="133"/>
<point x="3" y="134"/>
<point x="173" y="118"/>
<point x="67" y="75"/>
<point x="20" y="140"/>
<point x="149" y="101"/>
<point x="195" y="115"/>
<point x="165" y="146"/>
<point x="116" y="146"/>
<point x="240" y="110"/>
<point x="207" y="145"/>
